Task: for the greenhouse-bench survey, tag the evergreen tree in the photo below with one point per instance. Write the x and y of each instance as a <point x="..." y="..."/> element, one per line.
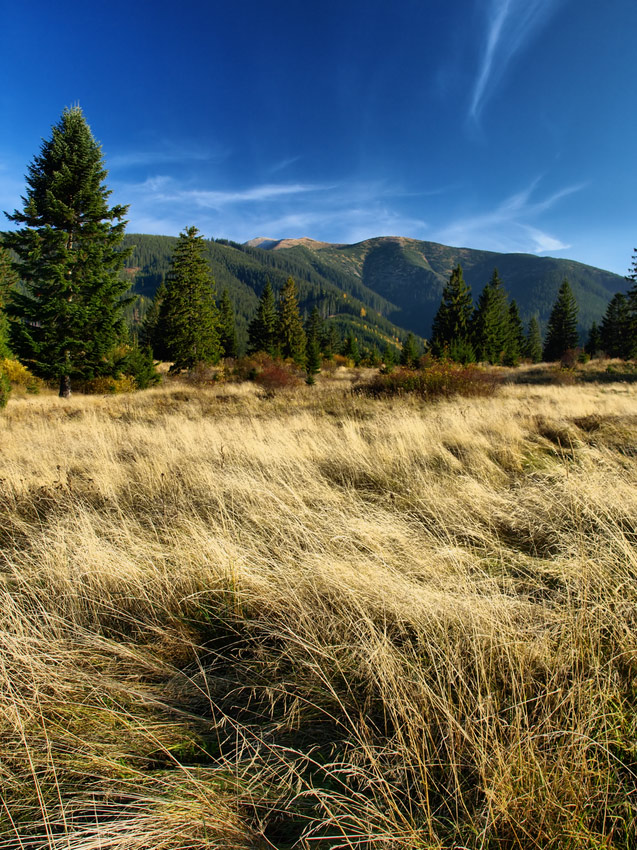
<point x="516" y="340"/>
<point x="151" y="331"/>
<point x="594" y="341"/>
<point x="615" y="329"/>
<point x="138" y="362"/>
<point x="188" y="314"/>
<point x="69" y="314"/>
<point x="263" y="331"/>
<point x="314" y="327"/>
<point x="533" y="346"/>
<point x="409" y="353"/>
<point x="290" y="326"/>
<point x="8" y="280"/>
<point x="490" y="323"/>
<point x="227" y="328"/>
<point x="561" y="334"/>
<point x="313" y="334"/>
<point x="451" y="326"/>
<point x="389" y="357"/>
<point x="631" y="311"/>
<point x="351" y="349"/>
<point x="330" y="340"/>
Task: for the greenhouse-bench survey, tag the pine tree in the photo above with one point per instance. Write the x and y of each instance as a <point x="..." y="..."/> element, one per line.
<point x="227" y="328"/>
<point x="263" y="330"/>
<point x="314" y="327"/>
<point x="188" y="314"/>
<point x="151" y="331"/>
<point x="138" y="362"/>
<point x="313" y="334"/>
<point x="409" y="353"/>
<point x="615" y="329"/>
<point x="69" y="314"/>
<point x="516" y="340"/>
<point x="490" y="322"/>
<point x="450" y="331"/>
<point x="389" y="358"/>
<point x="351" y="349"/>
<point x="561" y="334"/>
<point x="330" y="340"/>
<point x="290" y="327"/>
<point x="594" y="341"/>
<point x="8" y="280"/>
<point x="631" y="311"/>
<point x="533" y="346"/>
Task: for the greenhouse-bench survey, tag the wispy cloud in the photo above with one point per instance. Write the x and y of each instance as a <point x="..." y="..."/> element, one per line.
<point x="282" y="164"/>
<point x="341" y="212"/>
<point x="164" y="154"/>
<point x="510" y="25"/>
<point x="511" y="225"/>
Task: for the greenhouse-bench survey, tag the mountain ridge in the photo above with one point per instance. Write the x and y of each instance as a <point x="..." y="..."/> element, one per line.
<point x="411" y="273"/>
<point x="381" y="288"/>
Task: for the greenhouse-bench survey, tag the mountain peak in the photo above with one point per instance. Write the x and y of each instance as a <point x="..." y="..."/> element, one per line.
<point x="276" y="244"/>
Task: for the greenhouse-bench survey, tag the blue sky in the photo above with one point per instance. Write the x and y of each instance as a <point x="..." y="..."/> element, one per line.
<point x="501" y="124"/>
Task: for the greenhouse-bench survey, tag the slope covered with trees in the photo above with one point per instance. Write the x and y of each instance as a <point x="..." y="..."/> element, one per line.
<point x="378" y="289"/>
<point x="243" y="270"/>
<point x="411" y="274"/>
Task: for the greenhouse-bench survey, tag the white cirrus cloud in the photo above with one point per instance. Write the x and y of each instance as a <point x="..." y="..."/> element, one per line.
<point x="509" y="26"/>
<point x="511" y="226"/>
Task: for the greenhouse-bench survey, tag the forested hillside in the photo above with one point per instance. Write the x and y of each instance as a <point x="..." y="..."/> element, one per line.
<point x="411" y="274"/>
<point x="341" y="298"/>
<point x="380" y="288"/>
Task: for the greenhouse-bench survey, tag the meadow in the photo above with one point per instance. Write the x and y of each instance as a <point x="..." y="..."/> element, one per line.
<point x="310" y="618"/>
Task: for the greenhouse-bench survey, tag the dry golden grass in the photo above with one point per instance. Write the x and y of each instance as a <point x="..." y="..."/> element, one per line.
<point x="231" y="621"/>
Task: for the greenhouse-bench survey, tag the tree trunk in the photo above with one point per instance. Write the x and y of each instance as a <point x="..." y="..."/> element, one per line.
<point x="65" y="386"/>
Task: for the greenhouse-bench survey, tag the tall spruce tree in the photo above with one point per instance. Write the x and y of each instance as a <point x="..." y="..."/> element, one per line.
<point x="313" y="335"/>
<point x="533" y="344"/>
<point x="615" y="328"/>
<point x="451" y="329"/>
<point x="151" y="332"/>
<point x="516" y="341"/>
<point x="409" y="353"/>
<point x="561" y="333"/>
<point x="263" y="329"/>
<point x="330" y="340"/>
<point x="227" y="328"/>
<point x="490" y="322"/>
<point x="631" y="310"/>
<point x="68" y="317"/>
<point x="188" y="313"/>
<point x="594" y="341"/>
<point x="290" y="326"/>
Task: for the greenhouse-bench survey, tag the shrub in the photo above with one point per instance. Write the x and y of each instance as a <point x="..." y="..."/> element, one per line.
<point x="276" y="376"/>
<point x="341" y="360"/>
<point x="441" y="380"/>
<point x="202" y="375"/>
<point x="106" y="385"/>
<point x="268" y="372"/>
<point x="570" y="358"/>
<point x="19" y="376"/>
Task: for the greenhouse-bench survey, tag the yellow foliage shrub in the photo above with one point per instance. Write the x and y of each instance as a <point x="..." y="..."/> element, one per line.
<point x="20" y="376"/>
<point x="106" y="385"/>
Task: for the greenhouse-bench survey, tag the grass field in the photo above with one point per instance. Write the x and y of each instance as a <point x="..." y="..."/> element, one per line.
<point x="313" y="619"/>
